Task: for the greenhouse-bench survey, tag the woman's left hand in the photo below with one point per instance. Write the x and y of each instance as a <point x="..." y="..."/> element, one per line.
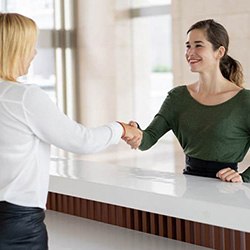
<point x="229" y="175"/>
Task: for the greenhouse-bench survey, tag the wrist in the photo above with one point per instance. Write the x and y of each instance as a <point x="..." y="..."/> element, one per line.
<point x="124" y="129"/>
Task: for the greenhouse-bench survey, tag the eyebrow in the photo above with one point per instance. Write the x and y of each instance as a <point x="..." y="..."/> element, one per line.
<point x="195" y="42"/>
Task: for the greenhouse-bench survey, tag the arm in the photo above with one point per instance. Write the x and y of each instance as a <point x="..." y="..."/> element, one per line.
<point x="52" y="126"/>
<point x="246" y="175"/>
<point x="150" y="135"/>
<point x="157" y="128"/>
<point x="160" y="125"/>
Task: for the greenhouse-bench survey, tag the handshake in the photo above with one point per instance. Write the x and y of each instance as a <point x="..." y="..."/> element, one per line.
<point x="132" y="135"/>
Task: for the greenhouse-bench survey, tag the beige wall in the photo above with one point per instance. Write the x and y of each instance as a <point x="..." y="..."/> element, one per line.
<point x="234" y="15"/>
<point x="104" y="51"/>
<point x="104" y="79"/>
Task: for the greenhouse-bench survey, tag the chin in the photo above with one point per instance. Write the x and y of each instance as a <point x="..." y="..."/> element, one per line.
<point x="194" y="70"/>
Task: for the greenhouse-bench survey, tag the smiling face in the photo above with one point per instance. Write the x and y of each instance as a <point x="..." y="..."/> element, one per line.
<point x="200" y="54"/>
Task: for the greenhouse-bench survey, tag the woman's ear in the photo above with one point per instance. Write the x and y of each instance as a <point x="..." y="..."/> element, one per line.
<point x="221" y="52"/>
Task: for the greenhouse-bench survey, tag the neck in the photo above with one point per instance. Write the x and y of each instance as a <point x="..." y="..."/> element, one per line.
<point x="211" y="83"/>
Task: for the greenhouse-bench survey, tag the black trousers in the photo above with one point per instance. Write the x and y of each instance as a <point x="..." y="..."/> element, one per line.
<point x="203" y="168"/>
<point x="22" y="228"/>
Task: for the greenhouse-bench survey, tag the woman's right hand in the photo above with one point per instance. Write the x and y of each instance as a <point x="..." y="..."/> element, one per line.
<point x="135" y="141"/>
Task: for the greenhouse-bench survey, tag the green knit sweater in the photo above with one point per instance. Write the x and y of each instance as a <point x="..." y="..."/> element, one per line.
<point x="209" y="132"/>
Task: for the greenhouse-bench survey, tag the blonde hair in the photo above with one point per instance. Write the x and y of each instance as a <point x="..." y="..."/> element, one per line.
<point x="18" y="35"/>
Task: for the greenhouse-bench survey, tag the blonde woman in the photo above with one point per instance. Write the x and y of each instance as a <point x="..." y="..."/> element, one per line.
<point x="29" y="123"/>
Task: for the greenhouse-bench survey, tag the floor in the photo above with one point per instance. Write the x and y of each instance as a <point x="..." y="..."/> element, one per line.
<point x="68" y="232"/>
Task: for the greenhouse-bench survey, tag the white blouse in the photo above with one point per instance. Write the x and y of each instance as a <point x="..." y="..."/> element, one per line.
<point x="29" y="123"/>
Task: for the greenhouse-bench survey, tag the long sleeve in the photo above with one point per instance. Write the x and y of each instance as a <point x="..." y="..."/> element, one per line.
<point x="246" y="175"/>
<point x="52" y="126"/>
<point x="160" y="125"/>
<point x="157" y="128"/>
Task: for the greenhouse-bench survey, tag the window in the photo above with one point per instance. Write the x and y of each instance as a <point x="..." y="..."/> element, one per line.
<point x="149" y="3"/>
<point x="152" y="56"/>
<point x="42" y="70"/>
<point x="52" y="68"/>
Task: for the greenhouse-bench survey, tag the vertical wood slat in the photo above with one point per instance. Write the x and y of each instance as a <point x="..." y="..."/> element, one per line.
<point x="58" y="200"/>
<point x="129" y="218"/>
<point x="77" y="206"/>
<point x="137" y="220"/>
<point x="161" y="224"/>
<point x="247" y="241"/>
<point x="112" y="214"/>
<point x="197" y="234"/>
<point x="179" y="235"/>
<point x="145" y="222"/>
<point x="170" y="228"/>
<point x="174" y="228"/>
<point x="53" y="201"/>
<point x="84" y="208"/>
<point x="207" y="239"/>
<point x="97" y="211"/>
<point x="104" y="213"/>
<point x="237" y="239"/>
<point x="71" y="205"/>
<point x="188" y="231"/>
<point x="154" y="226"/>
<point x="229" y="239"/>
<point x="120" y="218"/>
<point x="217" y="238"/>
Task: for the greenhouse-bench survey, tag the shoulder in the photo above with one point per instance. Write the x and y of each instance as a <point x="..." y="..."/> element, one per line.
<point x="34" y="94"/>
<point x="241" y="102"/>
<point x="245" y="94"/>
<point x="174" y="95"/>
<point x="178" y="90"/>
<point x="16" y="91"/>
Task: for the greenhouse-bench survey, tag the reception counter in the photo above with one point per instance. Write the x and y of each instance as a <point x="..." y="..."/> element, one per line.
<point x="197" y="210"/>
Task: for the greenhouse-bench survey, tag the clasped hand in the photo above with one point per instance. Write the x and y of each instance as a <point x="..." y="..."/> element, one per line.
<point x="133" y="135"/>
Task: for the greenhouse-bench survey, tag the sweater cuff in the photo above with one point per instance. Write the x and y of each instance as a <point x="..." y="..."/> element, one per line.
<point x="246" y="175"/>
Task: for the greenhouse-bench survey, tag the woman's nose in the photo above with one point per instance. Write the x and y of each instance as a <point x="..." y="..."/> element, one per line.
<point x="190" y="51"/>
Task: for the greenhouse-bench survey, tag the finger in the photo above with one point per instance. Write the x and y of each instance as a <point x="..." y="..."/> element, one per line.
<point x="237" y="179"/>
<point x="229" y="175"/>
<point x="232" y="176"/>
<point x="133" y="144"/>
<point x="133" y="124"/>
<point x="222" y="171"/>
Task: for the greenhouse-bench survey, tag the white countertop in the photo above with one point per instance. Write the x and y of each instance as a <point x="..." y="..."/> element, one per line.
<point x="204" y="200"/>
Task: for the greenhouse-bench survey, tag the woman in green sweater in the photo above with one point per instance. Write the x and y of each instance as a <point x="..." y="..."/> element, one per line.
<point x="210" y="117"/>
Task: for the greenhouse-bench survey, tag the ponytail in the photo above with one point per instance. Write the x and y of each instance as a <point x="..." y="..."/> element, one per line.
<point x="231" y="69"/>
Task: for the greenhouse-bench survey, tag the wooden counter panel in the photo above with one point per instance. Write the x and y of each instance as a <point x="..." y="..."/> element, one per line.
<point x="165" y="226"/>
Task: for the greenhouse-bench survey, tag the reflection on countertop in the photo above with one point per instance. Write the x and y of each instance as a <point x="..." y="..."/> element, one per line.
<point x="152" y="184"/>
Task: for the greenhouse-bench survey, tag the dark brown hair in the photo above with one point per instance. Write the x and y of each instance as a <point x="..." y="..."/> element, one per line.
<point x="217" y="35"/>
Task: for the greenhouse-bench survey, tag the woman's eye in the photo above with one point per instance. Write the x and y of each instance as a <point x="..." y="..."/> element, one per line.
<point x="198" y="45"/>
